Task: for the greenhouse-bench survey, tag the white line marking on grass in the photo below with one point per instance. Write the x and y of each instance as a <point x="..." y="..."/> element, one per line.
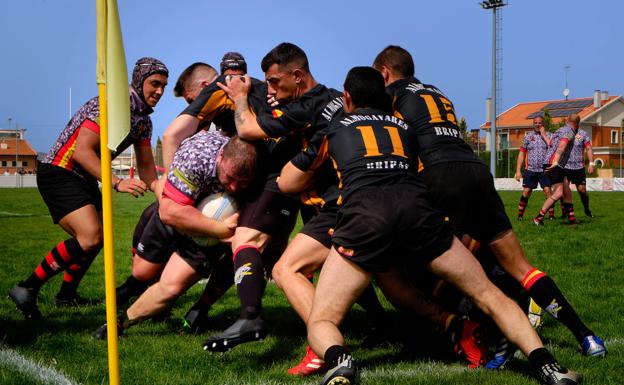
<point x="45" y="374"/>
<point x="10" y="214"/>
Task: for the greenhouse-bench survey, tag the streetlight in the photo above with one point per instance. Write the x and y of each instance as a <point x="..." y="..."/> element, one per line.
<point x="493" y="5"/>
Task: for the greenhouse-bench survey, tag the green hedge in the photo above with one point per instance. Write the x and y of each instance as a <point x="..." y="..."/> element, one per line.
<point x="505" y="163"/>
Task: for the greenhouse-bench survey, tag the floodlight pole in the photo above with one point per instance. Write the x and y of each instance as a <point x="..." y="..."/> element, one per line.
<point x="493" y="5"/>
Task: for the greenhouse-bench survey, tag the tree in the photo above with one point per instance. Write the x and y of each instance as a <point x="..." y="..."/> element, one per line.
<point x="463" y="126"/>
<point x="159" y="155"/>
<point x="549" y="125"/>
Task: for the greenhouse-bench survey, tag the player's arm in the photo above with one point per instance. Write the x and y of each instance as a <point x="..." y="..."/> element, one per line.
<point x="563" y="142"/>
<point x="237" y="88"/>
<point x="146" y="165"/>
<point x="187" y="219"/>
<point x="521" y="155"/>
<point x="181" y="128"/>
<point x="590" y="156"/>
<point x="86" y="155"/>
<point x="293" y="180"/>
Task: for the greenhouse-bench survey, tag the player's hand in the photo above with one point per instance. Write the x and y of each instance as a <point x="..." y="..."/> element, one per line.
<point x="132" y="186"/>
<point x="272" y="101"/>
<point x="236" y="86"/>
<point x="230" y="224"/>
<point x="517" y="176"/>
<point x="590" y="169"/>
<point x="548" y="169"/>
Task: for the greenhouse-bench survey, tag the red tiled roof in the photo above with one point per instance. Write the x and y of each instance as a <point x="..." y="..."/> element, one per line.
<point x="517" y="116"/>
<point x="23" y="147"/>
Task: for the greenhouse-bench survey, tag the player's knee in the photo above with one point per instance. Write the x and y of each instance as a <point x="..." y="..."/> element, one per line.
<point x="90" y="239"/>
<point x="277" y="273"/>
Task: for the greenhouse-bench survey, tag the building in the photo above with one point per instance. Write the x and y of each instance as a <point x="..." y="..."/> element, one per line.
<point x="24" y="160"/>
<point x="602" y="117"/>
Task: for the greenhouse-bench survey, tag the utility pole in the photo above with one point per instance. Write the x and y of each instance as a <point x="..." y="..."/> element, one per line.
<point x="493" y="5"/>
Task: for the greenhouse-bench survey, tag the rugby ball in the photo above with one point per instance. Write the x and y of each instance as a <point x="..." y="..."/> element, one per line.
<point x="217" y="206"/>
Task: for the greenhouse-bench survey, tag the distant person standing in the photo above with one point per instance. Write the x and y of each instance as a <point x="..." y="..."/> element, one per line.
<point x="575" y="170"/>
<point x="68" y="182"/>
<point x="533" y="149"/>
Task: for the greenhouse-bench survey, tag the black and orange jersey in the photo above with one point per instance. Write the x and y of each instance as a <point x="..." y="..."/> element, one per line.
<point x="367" y="148"/>
<point x="431" y="117"/>
<point x="293" y="125"/>
<point x="212" y="105"/>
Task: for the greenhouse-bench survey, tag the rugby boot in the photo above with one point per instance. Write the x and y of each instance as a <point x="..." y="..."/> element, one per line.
<point x="195" y="321"/>
<point x="504" y="353"/>
<point x="538" y="222"/>
<point x="554" y="374"/>
<point x="241" y="331"/>
<point x="101" y="333"/>
<point x="345" y="373"/>
<point x="471" y="344"/>
<point x="589" y="214"/>
<point x="593" y="346"/>
<point x="310" y="364"/>
<point x="26" y="300"/>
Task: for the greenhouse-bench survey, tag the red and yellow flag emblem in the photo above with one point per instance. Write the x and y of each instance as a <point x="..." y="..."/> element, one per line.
<point x="277" y="113"/>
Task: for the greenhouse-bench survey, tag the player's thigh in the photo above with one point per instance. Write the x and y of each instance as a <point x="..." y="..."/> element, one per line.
<point x="340" y="283"/>
<point x="304" y="255"/>
<point x="84" y="224"/>
<point x="250" y="237"/>
<point x="177" y="276"/>
<point x="145" y="270"/>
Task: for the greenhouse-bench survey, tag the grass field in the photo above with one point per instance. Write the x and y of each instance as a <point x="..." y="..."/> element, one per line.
<point x="586" y="261"/>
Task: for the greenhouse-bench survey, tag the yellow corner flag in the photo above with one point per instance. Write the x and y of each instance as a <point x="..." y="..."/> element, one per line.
<point x="112" y="80"/>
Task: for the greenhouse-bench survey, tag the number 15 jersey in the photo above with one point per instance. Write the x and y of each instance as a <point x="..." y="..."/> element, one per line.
<point x="432" y="120"/>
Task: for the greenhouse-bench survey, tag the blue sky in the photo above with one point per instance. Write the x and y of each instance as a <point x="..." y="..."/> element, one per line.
<point x="48" y="47"/>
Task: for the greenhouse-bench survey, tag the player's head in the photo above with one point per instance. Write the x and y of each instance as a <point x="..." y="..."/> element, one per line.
<point x="574" y="120"/>
<point x="364" y="88"/>
<point x="149" y="79"/>
<point x="394" y="63"/>
<point x="233" y="63"/>
<point x="538" y="122"/>
<point x="236" y="165"/>
<point x="286" y="71"/>
<point x="191" y="81"/>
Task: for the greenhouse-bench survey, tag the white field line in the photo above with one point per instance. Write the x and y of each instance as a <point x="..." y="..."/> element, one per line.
<point x="44" y="374"/>
<point x="10" y="214"/>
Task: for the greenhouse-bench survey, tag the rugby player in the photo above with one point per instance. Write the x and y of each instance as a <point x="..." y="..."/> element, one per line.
<point x="206" y="163"/>
<point x="463" y="189"/>
<point x="385" y="217"/>
<point x="534" y="147"/>
<point x="68" y="182"/>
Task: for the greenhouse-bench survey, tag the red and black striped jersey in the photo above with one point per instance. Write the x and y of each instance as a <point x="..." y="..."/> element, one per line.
<point x="367" y="148"/>
<point x="431" y="117"/>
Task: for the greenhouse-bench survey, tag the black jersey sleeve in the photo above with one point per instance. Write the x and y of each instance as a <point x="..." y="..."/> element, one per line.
<point x="314" y="153"/>
<point x="283" y="120"/>
<point x="210" y="103"/>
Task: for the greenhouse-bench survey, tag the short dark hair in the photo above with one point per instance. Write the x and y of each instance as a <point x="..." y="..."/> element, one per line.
<point x="187" y="75"/>
<point x="243" y="155"/>
<point x="233" y="61"/>
<point x="367" y="89"/>
<point x="397" y="59"/>
<point x="285" y="54"/>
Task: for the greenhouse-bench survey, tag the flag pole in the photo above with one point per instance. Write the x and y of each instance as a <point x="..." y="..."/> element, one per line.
<point x="107" y="212"/>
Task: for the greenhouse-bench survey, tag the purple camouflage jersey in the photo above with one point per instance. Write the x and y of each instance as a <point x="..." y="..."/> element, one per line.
<point x="536" y="149"/>
<point x="193" y="172"/>
<point x="576" y="160"/>
<point x="565" y="134"/>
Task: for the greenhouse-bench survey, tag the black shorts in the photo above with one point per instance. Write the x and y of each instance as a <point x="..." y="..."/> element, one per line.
<point x="556" y="175"/>
<point x="530" y="179"/>
<point x="158" y="241"/>
<point x="382" y="225"/>
<point x="146" y="215"/>
<point x="272" y="213"/>
<point x="321" y="226"/>
<point x="465" y="193"/>
<point x="577" y="177"/>
<point x="64" y="191"/>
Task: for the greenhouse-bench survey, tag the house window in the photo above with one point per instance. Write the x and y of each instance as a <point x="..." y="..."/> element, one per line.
<point x="24" y="163"/>
<point x="14" y="164"/>
<point x="614" y="137"/>
<point x="4" y="163"/>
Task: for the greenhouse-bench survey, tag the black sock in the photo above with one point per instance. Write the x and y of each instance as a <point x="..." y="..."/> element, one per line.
<point x="548" y="296"/>
<point x="131" y="288"/>
<point x="335" y="354"/>
<point x="541" y="357"/>
<point x="249" y="280"/>
<point x="585" y="201"/>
